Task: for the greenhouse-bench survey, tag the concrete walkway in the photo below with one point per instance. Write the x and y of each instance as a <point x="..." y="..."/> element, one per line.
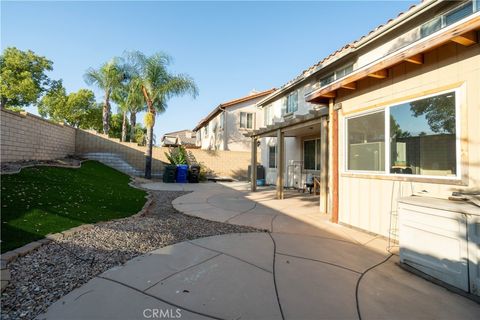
<point x="303" y="268"/>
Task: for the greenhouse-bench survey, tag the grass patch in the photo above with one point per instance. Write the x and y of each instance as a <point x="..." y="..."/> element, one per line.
<point x="42" y="200"/>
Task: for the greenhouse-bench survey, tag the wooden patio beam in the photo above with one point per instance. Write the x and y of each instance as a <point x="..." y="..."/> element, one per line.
<point x="416" y="59"/>
<point x="350" y="86"/>
<point x="329" y="95"/>
<point x="380" y="74"/>
<point x="466" y="39"/>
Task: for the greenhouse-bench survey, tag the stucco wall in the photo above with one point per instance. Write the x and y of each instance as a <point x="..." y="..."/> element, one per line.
<point x="25" y="136"/>
<point x="366" y="202"/>
<point x="231" y="136"/>
<point x="221" y="163"/>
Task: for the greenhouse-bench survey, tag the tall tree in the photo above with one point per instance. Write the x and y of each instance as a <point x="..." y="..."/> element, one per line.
<point x="75" y="109"/>
<point x="129" y="98"/>
<point x="23" y="77"/>
<point x="158" y="85"/>
<point x="108" y="77"/>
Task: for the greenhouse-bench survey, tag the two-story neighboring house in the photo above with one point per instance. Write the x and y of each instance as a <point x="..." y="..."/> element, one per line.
<point x="224" y="128"/>
<point x="393" y="114"/>
<point x="185" y="138"/>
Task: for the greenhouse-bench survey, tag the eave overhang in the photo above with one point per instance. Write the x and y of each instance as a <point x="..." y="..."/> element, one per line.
<point x="380" y="66"/>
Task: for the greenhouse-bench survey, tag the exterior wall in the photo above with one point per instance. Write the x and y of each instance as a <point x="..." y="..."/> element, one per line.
<point x="294" y="177"/>
<point x="279" y="103"/>
<point x="230" y="136"/>
<point x="213" y="139"/>
<point x="367" y="201"/>
<point x="25" y="136"/>
<point x="235" y="139"/>
<point x="220" y="163"/>
<point x="293" y="145"/>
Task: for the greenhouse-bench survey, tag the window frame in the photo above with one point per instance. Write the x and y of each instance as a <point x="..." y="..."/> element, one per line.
<point x="268" y="115"/>
<point x="269" y="156"/>
<point x="386" y="173"/>
<point x="246" y="120"/>
<point x="289" y="98"/>
<point x="317" y="156"/>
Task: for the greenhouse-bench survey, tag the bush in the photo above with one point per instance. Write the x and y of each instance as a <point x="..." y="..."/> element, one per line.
<point x="177" y="155"/>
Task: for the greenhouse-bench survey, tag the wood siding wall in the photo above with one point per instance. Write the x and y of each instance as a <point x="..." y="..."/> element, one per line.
<point x="367" y="201"/>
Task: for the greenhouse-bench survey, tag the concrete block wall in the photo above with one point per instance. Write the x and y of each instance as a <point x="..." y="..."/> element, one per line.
<point x="25" y="136"/>
<point x="221" y="163"/>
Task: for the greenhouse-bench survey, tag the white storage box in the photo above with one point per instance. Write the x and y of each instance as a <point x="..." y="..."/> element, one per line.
<point x="441" y="238"/>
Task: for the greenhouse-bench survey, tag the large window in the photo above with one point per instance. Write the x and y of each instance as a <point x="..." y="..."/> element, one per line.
<point x="420" y="138"/>
<point x="272" y="156"/>
<point x="246" y="120"/>
<point x="311" y="154"/>
<point x="292" y="102"/>
<point x="366" y="142"/>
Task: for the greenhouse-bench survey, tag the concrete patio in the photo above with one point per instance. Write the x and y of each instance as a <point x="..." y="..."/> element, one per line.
<point x="304" y="267"/>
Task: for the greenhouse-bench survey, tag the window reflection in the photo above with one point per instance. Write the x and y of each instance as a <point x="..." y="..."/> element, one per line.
<point x="422" y="136"/>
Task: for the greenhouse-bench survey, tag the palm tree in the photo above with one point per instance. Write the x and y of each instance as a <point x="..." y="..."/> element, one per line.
<point x="119" y="96"/>
<point x="158" y="85"/>
<point x="108" y="77"/>
<point x="129" y="98"/>
<point x="136" y="103"/>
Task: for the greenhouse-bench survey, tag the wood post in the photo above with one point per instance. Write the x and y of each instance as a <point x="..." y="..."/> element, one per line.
<point x="334" y="147"/>
<point x="253" y="171"/>
<point x="323" y="165"/>
<point x="280" y="162"/>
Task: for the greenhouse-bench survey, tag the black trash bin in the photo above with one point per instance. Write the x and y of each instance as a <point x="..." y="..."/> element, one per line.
<point x="260" y="172"/>
<point x="194" y="174"/>
<point x="169" y="173"/>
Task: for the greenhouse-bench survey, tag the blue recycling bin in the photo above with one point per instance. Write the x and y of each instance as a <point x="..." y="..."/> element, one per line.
<point x="182" y="173"/>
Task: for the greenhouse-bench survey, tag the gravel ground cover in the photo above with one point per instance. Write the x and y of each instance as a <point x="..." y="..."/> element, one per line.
<point x="45" y="275"/>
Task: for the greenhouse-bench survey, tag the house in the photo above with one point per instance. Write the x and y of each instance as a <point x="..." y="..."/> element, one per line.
<point x="224" y="127"/>
<point x="393" y="114"/>
<point x="186" y="138"/>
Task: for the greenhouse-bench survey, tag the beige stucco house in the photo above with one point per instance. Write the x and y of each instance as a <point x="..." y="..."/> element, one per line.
<point x="224" y="128"/>
<point x="393" y="114"/>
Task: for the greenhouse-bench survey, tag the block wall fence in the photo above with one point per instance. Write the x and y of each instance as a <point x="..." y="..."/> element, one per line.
<point x="25" y="136"/>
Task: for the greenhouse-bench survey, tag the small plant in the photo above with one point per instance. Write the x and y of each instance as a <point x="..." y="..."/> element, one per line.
<point x="203" y="173"/>
<point x="177" y="155"/>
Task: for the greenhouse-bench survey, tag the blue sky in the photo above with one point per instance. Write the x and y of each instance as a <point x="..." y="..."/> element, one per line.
<point x="229" y="48"/>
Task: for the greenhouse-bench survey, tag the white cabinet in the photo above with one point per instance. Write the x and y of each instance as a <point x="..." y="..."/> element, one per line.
<point x="441" y="238"/>
<point x="473" y="233"/>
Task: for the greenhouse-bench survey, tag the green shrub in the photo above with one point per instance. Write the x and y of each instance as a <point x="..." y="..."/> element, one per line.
<point x="177" y="155"/>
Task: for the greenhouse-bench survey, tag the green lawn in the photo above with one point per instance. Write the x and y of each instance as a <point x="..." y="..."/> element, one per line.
<point x="42" y="200"/>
